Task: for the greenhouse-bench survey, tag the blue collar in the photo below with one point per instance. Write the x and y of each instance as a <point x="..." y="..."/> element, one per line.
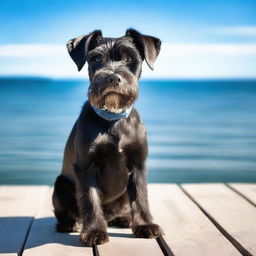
<point x="112" y="116"/>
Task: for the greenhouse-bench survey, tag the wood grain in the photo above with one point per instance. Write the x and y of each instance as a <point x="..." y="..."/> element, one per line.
<point x="235" y="216"/>
<point x="18" y="206"/>
<point x="187" y="230"/>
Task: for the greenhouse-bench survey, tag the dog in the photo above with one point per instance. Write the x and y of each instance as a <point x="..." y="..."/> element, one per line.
<point x="103" y="179"/>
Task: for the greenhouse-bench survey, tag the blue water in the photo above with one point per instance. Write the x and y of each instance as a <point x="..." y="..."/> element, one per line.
<point x="198" y="131"/>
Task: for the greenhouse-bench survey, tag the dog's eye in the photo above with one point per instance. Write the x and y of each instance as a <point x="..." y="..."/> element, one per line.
<point x="129" y="59"/>
<point x="98" y="59"/>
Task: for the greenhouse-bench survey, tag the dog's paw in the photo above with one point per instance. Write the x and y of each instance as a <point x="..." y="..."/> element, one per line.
<point x="147" y="231"/>
<point x="65" y="227"/>
<point x="120" y="222"/>
<point x="93" y="237"/>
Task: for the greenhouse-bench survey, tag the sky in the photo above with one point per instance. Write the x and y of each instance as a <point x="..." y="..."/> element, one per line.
<point x="200" y="39"/>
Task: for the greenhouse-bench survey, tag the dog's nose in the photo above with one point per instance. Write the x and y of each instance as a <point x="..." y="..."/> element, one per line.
<point x="114" y="79"/>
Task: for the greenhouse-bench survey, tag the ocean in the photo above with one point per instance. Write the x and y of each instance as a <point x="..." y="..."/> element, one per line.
<point x="198" y="131"/>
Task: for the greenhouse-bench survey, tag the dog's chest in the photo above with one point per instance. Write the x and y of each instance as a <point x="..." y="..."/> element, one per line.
<point x="110" y="159"/>
<point x="112" y="148"/>
<point x="119" y="139"/>
<point x="115" y="153"/>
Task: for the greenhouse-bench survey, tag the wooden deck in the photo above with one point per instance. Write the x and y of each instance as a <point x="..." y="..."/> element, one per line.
<point x="198" y="219"/>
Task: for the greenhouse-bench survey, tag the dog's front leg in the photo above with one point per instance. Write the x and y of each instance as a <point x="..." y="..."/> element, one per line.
<point x="94" y="226"/>
<point x="142" y="225"/>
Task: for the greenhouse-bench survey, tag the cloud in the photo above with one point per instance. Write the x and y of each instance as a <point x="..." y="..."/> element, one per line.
<point x="237" y="30"/>
<point x="220" y="49"/>
<point x="169" y="49"/>
<point x="32" y="50"/>
<point x="175" y="61"/>
<point x="205" y="61"/>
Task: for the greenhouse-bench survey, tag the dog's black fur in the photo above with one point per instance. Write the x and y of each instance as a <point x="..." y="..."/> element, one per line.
<point x="103" y="179"/>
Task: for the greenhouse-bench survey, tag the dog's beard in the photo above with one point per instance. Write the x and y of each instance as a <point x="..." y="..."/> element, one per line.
<point x="113" y="100"/>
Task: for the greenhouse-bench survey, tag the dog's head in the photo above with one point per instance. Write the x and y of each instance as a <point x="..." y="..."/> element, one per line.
<point x="114" y="65"/>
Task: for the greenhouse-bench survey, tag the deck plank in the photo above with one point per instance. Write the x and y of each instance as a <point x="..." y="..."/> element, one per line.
<point x="187" y="230"/>
<point x="18" y="206"/>
<point x="235" y="216"/>
<point x="247" y="190"/>
<point x="43" y="240"/>
<point x="122" y="242"/>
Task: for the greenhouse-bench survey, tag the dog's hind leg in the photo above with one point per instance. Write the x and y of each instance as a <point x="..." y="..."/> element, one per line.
<point x="121" y="222"/>
<point x="118" y="212"/>
<point x="65" y="206"/>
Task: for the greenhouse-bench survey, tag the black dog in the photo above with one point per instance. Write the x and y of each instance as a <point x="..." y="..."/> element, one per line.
<point x="103" y="179"/>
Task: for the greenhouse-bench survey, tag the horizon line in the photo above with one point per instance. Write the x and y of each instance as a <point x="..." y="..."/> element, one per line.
<point x="31" y="77"/>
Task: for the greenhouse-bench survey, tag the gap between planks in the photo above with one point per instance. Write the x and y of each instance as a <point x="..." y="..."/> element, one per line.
<point x="231" y="214"/>
<point x="44" y="240"/>
<point x="245" y="190"/>
<point x="188" y="230"/>
<point x="16" y="215"/>
<point x="49" y="242"/>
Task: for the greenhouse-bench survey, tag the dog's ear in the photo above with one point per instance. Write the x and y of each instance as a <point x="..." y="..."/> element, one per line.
<point x="79" y="47"/>
<point x="148" y="46"/>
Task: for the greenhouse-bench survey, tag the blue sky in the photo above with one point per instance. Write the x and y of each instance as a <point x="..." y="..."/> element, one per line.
<point x="201" y="39"/>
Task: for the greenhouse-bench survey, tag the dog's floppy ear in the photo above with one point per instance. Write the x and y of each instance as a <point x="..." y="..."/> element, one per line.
<point x="79" y="46"/>
<point x="148" y="46"/>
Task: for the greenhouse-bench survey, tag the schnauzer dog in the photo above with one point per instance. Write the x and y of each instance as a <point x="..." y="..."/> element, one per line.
<point x="103" y="179"/>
